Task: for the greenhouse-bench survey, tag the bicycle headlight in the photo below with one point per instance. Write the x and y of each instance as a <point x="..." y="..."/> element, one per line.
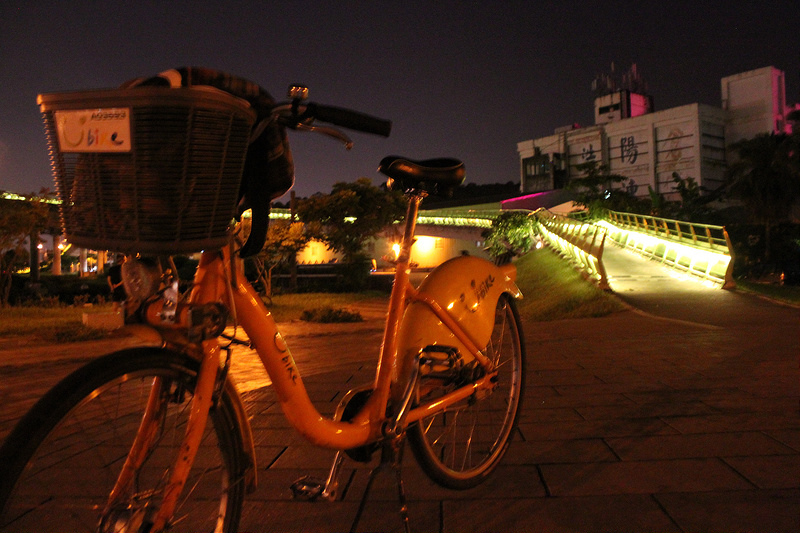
<point x="141" y="277"/>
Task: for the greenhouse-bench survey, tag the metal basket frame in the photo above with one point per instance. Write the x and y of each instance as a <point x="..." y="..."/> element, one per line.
<point x="173" y="191"/>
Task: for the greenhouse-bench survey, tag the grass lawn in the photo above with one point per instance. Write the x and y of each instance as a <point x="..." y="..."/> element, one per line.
<point x="49" y="324"/>
<point x="554" y="290"/>
<point x="783" y="293"/>
<point x="286" y="307"/>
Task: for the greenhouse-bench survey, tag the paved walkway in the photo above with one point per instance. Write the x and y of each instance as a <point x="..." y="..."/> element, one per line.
<point x="681" y="414"/>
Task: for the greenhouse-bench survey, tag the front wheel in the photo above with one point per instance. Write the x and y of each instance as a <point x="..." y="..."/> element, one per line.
<point x="460" y="447"/>
<point x="60" y="463"/>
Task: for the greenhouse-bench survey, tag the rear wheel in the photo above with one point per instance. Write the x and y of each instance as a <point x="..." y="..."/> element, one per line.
<point x="460" y="447"/>
<point x="60" y="463"/>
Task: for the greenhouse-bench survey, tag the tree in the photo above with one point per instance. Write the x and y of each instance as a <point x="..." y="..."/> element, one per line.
<point x="765" y="177"/>
<point x="511" y="231"/>
<point x="18" y="221"/>
<point x="351" y="214"/>
<point x="284" y="240"/>
<point x="597" y="188"/>
<point x="693" y="205"/>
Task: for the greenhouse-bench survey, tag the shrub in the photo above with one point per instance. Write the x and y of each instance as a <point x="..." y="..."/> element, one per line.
<point x="330" y="315"/>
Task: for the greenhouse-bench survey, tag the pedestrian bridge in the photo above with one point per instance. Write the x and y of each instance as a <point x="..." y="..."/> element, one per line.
<point x="699" y="250"/>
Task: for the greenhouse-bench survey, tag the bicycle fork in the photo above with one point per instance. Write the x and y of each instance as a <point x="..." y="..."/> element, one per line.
<point x="148" y="518"/>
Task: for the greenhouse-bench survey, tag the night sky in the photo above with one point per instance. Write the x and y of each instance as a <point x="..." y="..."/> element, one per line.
<point x="461" y="79"/>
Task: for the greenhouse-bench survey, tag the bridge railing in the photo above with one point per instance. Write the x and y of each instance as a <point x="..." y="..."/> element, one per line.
<point x="580" y="242"/>
<point x="702" y="250"/>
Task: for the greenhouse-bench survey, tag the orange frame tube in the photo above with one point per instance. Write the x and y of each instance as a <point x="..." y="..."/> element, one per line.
<point x="214" y="283"/>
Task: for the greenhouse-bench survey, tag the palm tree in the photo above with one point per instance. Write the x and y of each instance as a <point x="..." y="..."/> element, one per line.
<point x="765" y="178"/>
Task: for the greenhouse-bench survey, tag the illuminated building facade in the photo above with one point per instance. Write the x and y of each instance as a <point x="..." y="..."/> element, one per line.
<point x="649" y="146"/>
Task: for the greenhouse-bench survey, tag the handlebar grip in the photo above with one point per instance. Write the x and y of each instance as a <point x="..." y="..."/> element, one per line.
<point x="350" y="119"/>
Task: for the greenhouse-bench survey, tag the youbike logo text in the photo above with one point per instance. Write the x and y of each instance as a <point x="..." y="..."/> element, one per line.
<point x="94" y="130"/>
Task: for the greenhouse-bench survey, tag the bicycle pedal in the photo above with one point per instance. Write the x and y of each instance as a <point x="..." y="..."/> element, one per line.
<point x="307" y="488"/>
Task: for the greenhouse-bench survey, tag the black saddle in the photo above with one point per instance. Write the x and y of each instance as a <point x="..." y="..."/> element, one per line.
<point x="435" y="176"/>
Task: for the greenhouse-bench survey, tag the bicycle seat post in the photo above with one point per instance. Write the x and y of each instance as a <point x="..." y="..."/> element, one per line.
<point x="414" y="200"/>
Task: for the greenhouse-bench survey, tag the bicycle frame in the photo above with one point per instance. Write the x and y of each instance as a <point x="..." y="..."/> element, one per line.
<point x="220" y="278"/>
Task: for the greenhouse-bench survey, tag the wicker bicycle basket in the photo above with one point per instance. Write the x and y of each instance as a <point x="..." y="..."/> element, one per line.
<point x="150" y="170"/>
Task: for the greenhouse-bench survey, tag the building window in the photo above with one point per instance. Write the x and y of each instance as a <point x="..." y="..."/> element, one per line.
<point x="608" y="108"/>
<point x="543" y="172"/>
<point x="538" y="165"/>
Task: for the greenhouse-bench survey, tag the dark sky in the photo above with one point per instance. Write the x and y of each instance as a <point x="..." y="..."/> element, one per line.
<point x="463" y="79"/>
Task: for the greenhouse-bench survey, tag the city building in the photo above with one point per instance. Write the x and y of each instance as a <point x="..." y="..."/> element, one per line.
<point x="649" y="146"/>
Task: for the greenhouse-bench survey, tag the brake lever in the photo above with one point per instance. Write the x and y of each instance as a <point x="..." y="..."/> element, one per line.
<point x="293" y="115"/>
<point x="327" y="130"/>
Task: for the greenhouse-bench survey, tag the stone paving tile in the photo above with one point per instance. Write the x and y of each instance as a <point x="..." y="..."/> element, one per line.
<point x="331" y="517"/>
<point x="575" y="400"/>
<point x="559" y="451"/>
<point x="270" y="419"/>
<point x="598" y="388"/>
<point x="653" y="410"/>
<point x="773" y="472"/>
<point x="698" y="431"/>
<point x="555" y="378"/>
<point x="270" y="436"/>
<point x="267" y="455"/>
<point x="720" y="423"/>
<point x="789" y="437"/>
<point x="695" y="446"/>
<point x="587" y="429"/>
<point x="622" y="513"/>
<point x="731" y="404"/>
<point x="642" y="477"/>
<point x="307" y="455"/>
<point x="776" y="511"/>
<point x="507" y="483"/>
<point x="533" y="414"/>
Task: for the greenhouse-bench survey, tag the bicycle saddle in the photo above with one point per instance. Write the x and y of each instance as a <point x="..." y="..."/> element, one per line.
<point x="436" y="176"/>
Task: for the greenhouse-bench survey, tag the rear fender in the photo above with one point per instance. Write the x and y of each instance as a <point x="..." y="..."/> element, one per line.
<point x="467" y="289"/>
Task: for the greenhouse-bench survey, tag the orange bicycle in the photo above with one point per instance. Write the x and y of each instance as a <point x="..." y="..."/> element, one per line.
<point x="157" y="438"/>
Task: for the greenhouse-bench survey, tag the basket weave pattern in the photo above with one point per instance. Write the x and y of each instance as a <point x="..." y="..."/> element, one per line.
<point x="174" y="192"/>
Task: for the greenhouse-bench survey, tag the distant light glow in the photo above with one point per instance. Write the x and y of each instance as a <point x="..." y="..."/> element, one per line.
<point x="526" y="197"/>
<point x="424" y="245"/>
<point x="12" y="196"/>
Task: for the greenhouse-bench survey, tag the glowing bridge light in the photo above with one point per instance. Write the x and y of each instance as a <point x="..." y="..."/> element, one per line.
<point x="464" y="218"/>
<point x="12" y="196"/>
<point x="711" y="265"/>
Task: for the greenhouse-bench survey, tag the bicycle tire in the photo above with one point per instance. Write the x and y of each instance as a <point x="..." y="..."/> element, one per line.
<point x="58" y="465"/>
<point x="460" y="447"/>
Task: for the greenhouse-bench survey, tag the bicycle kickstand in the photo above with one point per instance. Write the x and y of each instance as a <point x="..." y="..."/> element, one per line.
<point x="391" y="459"/>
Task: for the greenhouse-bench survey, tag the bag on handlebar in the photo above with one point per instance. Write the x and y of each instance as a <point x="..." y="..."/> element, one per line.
<point x="268" y="167"/>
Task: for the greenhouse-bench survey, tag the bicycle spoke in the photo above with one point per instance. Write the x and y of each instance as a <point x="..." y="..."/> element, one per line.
<point x="460" y="446"/>
<point x="72" y="470"/>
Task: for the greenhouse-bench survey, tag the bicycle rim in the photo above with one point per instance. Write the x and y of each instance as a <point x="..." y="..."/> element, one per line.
<point x="66" y="454"/>
<point x="460" y="447"/>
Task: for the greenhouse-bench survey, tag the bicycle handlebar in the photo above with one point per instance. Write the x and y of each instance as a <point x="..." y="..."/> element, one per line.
<point x="349" y="119"/>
